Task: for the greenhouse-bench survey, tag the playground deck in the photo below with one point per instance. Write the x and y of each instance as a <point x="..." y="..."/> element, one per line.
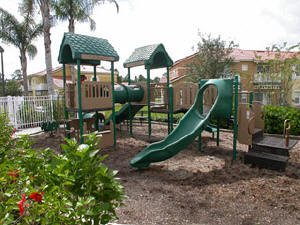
<point x="274" y="142"/>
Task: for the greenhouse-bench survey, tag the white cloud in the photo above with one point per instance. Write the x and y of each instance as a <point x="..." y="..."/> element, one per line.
<point x="253" y="24"/>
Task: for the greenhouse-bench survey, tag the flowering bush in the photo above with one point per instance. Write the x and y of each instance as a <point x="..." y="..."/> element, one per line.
<point x="39" y="187"/>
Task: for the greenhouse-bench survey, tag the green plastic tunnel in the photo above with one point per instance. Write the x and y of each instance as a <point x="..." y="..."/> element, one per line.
<point x="128" y="93"/>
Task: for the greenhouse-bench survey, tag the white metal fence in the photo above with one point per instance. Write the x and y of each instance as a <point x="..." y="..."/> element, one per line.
<point x="28" y="111"/>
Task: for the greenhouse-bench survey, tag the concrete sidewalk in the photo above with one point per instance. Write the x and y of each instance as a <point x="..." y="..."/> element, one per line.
<point x="28" y="131"/>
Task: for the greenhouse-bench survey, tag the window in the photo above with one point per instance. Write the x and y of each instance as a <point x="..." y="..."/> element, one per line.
<point x="239" y="80"/>
<point x="244" y="67"/>
<point x="297" y="97"/>
<point x="262" y="69"/>
<point x="174" y="72"/>
<point x="244" y="97"/>
<point x="258" y="96"/>
<point x="227" y="72"/>
<point x="297" y="71"/>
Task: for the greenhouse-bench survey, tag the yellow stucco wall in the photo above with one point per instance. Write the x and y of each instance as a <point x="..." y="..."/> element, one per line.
<point x="34" y="80"/>
<point x="102" y="77"/>
<point x="296" y="87"/>
<point x="246" y="77"/>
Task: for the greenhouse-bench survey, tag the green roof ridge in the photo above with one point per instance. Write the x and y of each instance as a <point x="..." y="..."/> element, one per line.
<point x="85" y="45"/>
<point x="145" y="55"/>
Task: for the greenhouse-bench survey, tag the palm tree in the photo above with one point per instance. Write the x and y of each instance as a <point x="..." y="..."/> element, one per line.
<point x="29" y="6"/>
<point x="77" y="10"/>
<point x="21" y="35"/>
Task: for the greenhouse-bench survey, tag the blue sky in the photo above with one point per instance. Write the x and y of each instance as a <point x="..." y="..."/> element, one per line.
<point x="252" y="24"/>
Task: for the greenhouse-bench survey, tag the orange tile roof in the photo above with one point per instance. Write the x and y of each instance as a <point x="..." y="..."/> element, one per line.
<point x="239" y="55"/>
<point x="83" y="68"/>
<point x="247" y="55"/>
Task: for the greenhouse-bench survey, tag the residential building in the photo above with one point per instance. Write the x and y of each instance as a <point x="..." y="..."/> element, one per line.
<point x="248" y="65"/>
<point x="37" y="82"/>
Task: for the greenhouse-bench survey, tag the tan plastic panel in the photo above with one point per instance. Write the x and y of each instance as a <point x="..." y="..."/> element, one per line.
<point x="184" y="95"/>
<point x="70" y="95"/>
<point x="159" y="91"/>
<point x="259" y="111"/>
<point x="107" y="139"/>
<point x="94" y="95"/>
<point x="210" y="95"/>
<point x="246" y="124"/>
<point x="144" y="101"/>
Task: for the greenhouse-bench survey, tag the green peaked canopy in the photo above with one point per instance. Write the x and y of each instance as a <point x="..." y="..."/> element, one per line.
<point x="152" y="56"/>
<point x="90" y="50"/>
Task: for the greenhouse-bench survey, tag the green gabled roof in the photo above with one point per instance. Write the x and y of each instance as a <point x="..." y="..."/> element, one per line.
<point x="91" y="50"/>
<point x="152" y="56"/>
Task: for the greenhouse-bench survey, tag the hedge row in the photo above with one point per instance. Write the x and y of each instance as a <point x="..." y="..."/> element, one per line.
<point x="275" y="117"/>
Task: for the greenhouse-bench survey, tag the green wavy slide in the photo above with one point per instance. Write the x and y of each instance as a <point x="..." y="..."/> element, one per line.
<point x="123" y="113"/>
<point x="190" y="126"/>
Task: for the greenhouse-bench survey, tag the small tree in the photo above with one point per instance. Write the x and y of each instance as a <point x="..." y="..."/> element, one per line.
<point x="213" y="58"/>
<point x="142" y="78"/>
<point x="21" y="35"/>
<point x="29" y="6"/>
<point x="156" y="80"/>
<point x="17" y="75"/>
<point x="281" y="65"/>
<point x="12" y="88"/>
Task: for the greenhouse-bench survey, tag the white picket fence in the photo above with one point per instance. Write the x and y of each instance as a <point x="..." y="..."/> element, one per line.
<point x="28" y="111"/>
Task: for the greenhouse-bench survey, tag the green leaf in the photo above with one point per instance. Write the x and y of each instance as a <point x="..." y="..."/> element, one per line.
<point x="93" y="153"/>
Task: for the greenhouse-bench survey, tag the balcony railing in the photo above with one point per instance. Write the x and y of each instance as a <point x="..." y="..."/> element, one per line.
<point x="267" y="85"/>
<point x="41" y="87"/>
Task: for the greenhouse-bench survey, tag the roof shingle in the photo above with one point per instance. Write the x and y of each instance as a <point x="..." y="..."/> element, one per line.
<point x="83" y="44"/>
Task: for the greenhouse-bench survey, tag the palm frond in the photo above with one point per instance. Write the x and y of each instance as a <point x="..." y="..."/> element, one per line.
<point x="31" y="51"/>
<point x="110" y="1"/>
<point x="35" y="31"/>
<point x="92" y="24"/>
<point x="27" y="7"/>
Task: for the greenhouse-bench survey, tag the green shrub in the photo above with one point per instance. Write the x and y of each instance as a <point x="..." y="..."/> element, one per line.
<point x="275" y="117"/>
<point x="6" y="132"/>
<point x="39" y="187"/>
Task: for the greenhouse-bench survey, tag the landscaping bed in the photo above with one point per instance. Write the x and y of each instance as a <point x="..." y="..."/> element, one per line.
<point x="199" y="187"/>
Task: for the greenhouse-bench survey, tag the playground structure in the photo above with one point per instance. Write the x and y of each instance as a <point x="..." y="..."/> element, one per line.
<point x="215" y="100"/>
<point x="89" y="97"/>
<point x="210" y="99"/>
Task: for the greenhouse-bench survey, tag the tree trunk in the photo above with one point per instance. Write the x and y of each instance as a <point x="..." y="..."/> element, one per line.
<point x="72" y="30"/>
<point x="71" y="25"/>
<point x="47" y="43"/>
<point x="23" y="59"/>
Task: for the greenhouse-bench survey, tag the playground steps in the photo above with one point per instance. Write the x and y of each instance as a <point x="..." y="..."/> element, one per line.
<point x="258" y="133"/>
<point x="266" y="160"/>
<point x="268" y="152"/>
